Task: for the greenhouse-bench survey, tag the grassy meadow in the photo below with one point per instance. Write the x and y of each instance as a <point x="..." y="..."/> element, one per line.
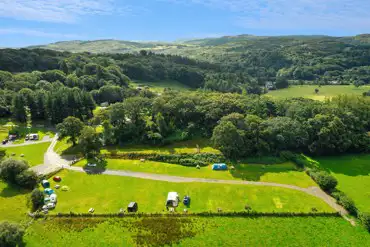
<point x="160" y="86"/>
<point x="107" y="194"/>
<point x="196" y="231"/>
<point x="13" y="203"/>
<point x="353" y="175"/>
<point x="34" y="154"/>
<point x="326" y="91"/>
<point x="285" y="173"/>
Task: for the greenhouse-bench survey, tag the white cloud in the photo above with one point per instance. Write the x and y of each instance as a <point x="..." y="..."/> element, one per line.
<point x="64" y="11"/>
<point x="38" y="33"/>
<point x="293" y="14"/>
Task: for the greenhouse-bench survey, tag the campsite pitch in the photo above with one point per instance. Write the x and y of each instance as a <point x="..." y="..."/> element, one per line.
<point x="285" y="173"/>
<point x="34" y="153"/>
<point x="107" y="194"/>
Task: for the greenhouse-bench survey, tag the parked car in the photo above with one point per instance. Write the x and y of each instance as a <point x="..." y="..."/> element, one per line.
<point x="186" y="200"/>
<point x="12" y="137"/>
<point x="27" y="137"/>
<point x="5" y="141"/>
<point x="91" y="165"/>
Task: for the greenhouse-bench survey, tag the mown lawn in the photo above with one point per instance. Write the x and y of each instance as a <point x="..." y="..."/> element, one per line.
<point x="160" y="86"/>
<point x="284" y="173"/>
<point x="353" y="174"/>
<point x="34" y="154"/>
<point x="308" y="91"/>
<point x="189" y="146"/>
<point x="13" y="203"/>
<point x="110" y="193"/>
<point x="197" y="231"/>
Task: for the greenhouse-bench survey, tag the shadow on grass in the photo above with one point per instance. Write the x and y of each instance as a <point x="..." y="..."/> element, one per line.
<point x="350" y="165"/>
<point x="12" y="190"/>
<point x="101" y="166"/>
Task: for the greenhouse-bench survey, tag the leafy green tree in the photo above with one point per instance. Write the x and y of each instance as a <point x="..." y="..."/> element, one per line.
<point x="19" y="108"/>
<point x="281" y="82"/>
<point x="71" y="127"/>
<point x="161" y="124"/>
<point x="228" y="139"/>
<point x="27" y="179"/>
<point x="36" y="199"/>
<point x="11" y="234"/>
<point x="10" y="169"/>
<point x="90" y="142"/>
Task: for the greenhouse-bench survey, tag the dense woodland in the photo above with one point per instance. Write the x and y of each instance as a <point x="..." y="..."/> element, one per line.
<point x="50" y="86"/>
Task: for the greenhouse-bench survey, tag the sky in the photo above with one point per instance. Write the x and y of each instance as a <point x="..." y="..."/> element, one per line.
<point x="33" y="22"/>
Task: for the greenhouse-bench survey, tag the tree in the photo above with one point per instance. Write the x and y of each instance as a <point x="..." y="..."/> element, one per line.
<point x="10" y="169"/>
<point x="90" y="142"/>
<point x="11" y="234"/>
<point x="71" y="127"/>
<point x="228" y="139"/>
<point x="27" y="179"/>
<point x="37" y="199"/>
<point x="161" y="124"/>
<point x="281" y="82"/>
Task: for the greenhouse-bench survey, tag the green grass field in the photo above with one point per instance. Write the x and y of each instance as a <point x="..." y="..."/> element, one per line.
<point x="13" y="202"/>
<point x="110" y="193"/>
<point x="284" y="173"/>
<point x="308" y="91"/>
<point x="196" y="231"/>
<point x="159" y="86"/>
<point x="353" y="174"/>
<point x="34" y="154"/>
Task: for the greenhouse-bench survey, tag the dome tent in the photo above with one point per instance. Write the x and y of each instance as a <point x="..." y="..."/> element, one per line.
<point x="48" y="191"/>
<point x="219" y="167"/>
<point x="45" y="184"/>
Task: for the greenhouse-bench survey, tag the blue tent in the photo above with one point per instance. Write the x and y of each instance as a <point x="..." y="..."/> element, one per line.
<point x="219" y="167"/>
<point x="45" y="183"/>
<point x="48" y="191"/>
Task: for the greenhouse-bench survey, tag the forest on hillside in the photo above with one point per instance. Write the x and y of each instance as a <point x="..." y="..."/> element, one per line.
<point x="44" y="85"/>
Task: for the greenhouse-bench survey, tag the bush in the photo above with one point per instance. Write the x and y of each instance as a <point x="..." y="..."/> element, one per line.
<point x="9" y="169"/>
<point x="346" y="202"/>
<point x="10" y="234"/>
<point x="365" y="220"/>
<point x="298" y="159"/>
<point x="36" y="199"/>
<point x="27" y="179"/>
<point x="326" y="181"/>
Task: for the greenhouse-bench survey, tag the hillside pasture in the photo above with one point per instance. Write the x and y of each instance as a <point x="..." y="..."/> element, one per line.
<point x="326" y="91"/>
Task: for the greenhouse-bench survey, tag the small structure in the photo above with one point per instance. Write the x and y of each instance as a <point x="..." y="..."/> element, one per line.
<point x="186" y="200"/>
<point x="173" y="199"/>
<point x="50" y="205"/>
<point x="65" y="188"/>
<point x="45" y="184"/>
<point x="57" y="186"/>
<point x="53" y="198"/>
<point x="142" y="160"/>
<point x="91" y="210"/>
<point x="198" y="166"/>
<point x="132" y="207"/>
<point x="219" y="167"/>
<point x="57" y="179"/>
<point x="48" y="191"/>
<point x="33" y="137"/>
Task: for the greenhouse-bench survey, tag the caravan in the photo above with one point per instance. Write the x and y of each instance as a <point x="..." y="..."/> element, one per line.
<point x="173" y="199"/>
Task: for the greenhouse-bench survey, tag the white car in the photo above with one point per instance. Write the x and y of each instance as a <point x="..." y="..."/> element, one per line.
<point x="91" y="165"/>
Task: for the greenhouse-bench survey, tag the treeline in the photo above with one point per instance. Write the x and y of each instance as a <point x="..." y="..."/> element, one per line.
<point x="242" y="126"/>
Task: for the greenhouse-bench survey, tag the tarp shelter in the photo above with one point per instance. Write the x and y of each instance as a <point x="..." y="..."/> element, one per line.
<point x="132" y="207"/>
<point x="48" y="191"/>
<point x="45" y="183"/>
<point x="219" y="167"/>
<point x="173" y="199"/>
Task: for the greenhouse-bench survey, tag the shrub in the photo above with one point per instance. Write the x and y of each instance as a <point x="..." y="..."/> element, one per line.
<point x="346" y="202"/>
<point x="11" y="234"/>
<point x="365" y="220"/>
<point x="36" y="199"/>
<point x="27" y="179"/>
<point x="9" y="169"/>
<point x="326" y="181"/>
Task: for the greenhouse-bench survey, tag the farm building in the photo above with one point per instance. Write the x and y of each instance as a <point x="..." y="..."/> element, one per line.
<point x="132" y="207"/>
<point x="219" y="167"/>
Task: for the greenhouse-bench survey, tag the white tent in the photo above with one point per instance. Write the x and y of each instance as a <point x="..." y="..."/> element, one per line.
<point x="53" y="198"/>
<point x="173" y="199"/>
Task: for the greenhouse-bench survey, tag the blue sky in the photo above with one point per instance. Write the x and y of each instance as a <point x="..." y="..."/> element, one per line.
<point x="30" y="22"/>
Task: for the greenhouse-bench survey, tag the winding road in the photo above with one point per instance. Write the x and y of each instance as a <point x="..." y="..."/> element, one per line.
<point x="54" y="162"/>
